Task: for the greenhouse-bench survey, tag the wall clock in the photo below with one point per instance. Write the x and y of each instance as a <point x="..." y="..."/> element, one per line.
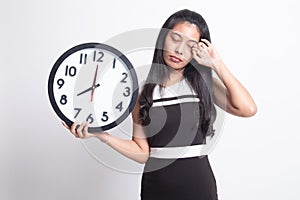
<point x="93" y="82"/>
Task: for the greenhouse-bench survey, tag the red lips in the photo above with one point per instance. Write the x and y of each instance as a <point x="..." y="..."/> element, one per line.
<point x="175" y="59"/>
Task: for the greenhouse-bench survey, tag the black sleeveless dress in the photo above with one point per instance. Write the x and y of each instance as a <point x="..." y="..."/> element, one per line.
<point x="175" y="123"/>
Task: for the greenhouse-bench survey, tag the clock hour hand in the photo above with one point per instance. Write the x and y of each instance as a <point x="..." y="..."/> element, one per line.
<point x="89" y="89"/>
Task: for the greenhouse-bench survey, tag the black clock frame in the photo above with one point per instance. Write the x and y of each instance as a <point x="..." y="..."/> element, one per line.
<point x="99" y="46"/>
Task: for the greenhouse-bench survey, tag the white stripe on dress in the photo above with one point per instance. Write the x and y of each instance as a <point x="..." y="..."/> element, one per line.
<point x="179" y="89"/>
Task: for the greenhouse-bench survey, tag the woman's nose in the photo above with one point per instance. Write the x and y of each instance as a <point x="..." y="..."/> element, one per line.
<point x="178" y="52"/>
<point x="179" y="48"/>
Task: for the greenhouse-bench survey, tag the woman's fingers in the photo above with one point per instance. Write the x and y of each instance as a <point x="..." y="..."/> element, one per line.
<point x="195" y="52"/>
<point x="198" y="52"/>
<point x="206" y="42"/>
<point x="205" y="54"/>
<point x="82" y="130"/>
<point x="203" y="47"/>
<point x="201" y="55"/>
<point x="73" y="129"/>
<point x="85" y="129"/>
<point x="65" y="125"/>
<point x="79" y="131"/>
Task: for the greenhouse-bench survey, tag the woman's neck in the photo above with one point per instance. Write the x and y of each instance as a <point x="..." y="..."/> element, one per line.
<point x="174" y="77"/>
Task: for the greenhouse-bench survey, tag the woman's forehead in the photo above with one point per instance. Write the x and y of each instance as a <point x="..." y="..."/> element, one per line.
<point x="187" y="30"/>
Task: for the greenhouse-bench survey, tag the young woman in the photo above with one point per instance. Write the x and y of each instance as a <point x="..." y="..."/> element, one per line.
<point x="175" y="109"/>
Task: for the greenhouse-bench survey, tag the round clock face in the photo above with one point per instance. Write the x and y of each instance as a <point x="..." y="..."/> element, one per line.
<point x="93" y="82"/>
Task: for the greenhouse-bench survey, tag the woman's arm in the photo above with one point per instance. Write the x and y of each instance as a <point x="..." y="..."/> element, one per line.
<point x="229" y="94"/>
<point x="136" y="149"/>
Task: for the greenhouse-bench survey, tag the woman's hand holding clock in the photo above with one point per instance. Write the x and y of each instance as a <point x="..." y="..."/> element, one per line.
<point x="81" y="131"/>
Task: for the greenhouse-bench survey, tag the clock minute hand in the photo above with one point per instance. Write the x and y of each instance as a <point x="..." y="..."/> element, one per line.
<point x="88" y="89"/>
<point x="93" y="86"/>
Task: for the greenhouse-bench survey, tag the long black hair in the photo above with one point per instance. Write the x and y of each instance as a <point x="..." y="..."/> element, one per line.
<point x="199" y="77"/>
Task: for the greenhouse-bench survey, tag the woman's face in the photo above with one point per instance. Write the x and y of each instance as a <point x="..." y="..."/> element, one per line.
<point x="178" y="45"/>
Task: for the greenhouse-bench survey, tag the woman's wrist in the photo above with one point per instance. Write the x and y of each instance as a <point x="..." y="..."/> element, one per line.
<point x="218" y="66"/>
<point x="104" y="137"/>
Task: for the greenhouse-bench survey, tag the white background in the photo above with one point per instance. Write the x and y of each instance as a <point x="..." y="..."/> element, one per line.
<point x="256" y="158"/>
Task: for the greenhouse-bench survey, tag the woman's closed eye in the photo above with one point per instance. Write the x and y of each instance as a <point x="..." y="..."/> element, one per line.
<point x="191" y="44"/>
<point x="176" y="37"/>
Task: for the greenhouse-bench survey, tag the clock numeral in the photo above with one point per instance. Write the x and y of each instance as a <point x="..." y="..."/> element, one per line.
<point x="120" y="106"/>
<point x="60" y="82"/>
<point x="63" y="99"/>
<point x="124" y="79"/>
<point x="70" y="71"/>
<point x="90" y="119"/>
<point x="104" y="117"/>
<point x="82" y="58"/>
<point x="78" y="111"/>
<point x="114" y="63"/>
<point x="99" y="59"/>
<point x="127" y="93"/>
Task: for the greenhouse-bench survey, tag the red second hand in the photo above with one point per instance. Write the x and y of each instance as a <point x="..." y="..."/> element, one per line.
<point x="93" y="86"/>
